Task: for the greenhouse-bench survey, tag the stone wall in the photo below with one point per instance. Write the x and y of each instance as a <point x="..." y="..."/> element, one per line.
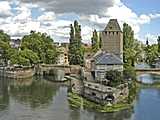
<point x="17" y="73"/>
<point x="112" y="42"/>
<point x="104" y="94"/>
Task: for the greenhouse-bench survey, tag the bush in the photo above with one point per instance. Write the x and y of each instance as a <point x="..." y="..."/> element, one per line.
<point x="129" y="73"/>
<point x="115" y="78"/>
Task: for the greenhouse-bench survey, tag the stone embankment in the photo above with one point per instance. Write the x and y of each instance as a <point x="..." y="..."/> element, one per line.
<point x="17" y="73"/>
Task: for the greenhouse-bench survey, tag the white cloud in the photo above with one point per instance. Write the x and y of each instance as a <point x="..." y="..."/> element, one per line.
<point x="47" y="16"/>
<point x="5" y="9"/>
<point x="52" y="22"/>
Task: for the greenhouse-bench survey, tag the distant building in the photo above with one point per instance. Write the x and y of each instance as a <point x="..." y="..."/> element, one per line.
<point x="15" y="43"/>
<point x="63" y="56"/>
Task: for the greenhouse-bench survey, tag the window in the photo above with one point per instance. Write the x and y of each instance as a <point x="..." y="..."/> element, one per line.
<point x="93" y="94"/>
<point x="96" y="87"/>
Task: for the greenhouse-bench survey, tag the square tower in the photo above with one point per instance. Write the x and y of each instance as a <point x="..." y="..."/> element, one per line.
<point x="112" y="38"/>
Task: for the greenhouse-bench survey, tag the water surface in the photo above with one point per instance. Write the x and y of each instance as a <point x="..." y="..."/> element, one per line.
<point x="38" y="99"/>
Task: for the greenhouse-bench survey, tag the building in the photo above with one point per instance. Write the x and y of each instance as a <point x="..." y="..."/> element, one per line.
<point x="110" y="57"/>
<point x="103" y="62"/>
<point x="112" y="38"/>
<point x="63" y="56"/>
<point x="15" y="43"/>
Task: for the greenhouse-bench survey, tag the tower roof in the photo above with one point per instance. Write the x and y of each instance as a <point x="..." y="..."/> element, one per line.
<point x="113" y="26"/>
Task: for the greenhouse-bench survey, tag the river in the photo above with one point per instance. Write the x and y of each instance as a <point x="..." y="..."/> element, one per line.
<point x="39" y="99"/>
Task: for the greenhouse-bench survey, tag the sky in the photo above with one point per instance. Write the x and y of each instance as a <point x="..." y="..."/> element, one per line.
<point x="19" y="17"/>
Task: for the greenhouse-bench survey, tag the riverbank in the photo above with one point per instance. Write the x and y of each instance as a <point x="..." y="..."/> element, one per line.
<point x="77" y="101"/>
<point x="149" y="85"/>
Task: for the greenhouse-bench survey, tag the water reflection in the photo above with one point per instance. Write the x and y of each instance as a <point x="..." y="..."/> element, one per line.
<point x="4" y="95"/>
<point x="149" y="78"/>
<point x="34" y="92"/>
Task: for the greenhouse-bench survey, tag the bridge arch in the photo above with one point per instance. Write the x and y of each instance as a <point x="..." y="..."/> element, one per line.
<point x="155" y="71"/>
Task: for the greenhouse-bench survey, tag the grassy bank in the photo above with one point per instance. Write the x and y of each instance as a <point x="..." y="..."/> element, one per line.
<point x="77" y="101"/>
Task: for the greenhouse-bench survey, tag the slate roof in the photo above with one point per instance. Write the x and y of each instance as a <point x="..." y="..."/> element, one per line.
<point x="104" y="58"/>
<point x="113" y="26"/>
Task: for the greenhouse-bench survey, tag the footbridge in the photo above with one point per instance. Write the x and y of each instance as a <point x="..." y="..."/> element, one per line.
<point x="140" y="71"/>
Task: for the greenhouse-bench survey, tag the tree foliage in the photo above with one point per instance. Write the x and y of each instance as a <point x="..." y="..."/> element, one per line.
<point x="151" y="53"/>
<point x="115" y="77"/>
<point x="95" y="41"/>
<point x="76" y="51"/>
<point x="42" y="45"/>
<point x="129" y="73"/>
<point x="4" y="46"/>
<point x="158" y="40"/>
<point x="132" y="48"/>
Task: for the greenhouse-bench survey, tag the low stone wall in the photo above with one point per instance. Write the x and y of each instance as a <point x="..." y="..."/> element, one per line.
<point x="19" y="73"/>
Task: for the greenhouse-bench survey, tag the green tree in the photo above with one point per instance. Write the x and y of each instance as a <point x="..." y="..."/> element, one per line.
<point x="30" y="55"/>
<point x="42" y="45"/>
<point x="131" y="48"/>
<point x="129" y="73"/>
<point x="4" y="46"/>
<point x="151" y="53"/>
<point x="158" y="40"/>
<point x="95" y="41"/>
<point x="100" y="41"/>
<point x="76" y="51"/>
<point x="147" y="42"/>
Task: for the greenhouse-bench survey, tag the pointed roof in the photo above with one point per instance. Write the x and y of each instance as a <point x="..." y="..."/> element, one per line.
<point x="104" y="58"/>
<point x="113" y="26"/>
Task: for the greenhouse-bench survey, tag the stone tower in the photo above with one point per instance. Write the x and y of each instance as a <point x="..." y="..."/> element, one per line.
<point x="112" y="38"/>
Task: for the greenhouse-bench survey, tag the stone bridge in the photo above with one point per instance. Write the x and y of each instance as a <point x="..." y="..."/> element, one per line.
<point x="140" y="71"/>
<point x="68" y="69"/>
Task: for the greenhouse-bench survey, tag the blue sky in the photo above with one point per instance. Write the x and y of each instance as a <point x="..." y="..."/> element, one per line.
<point x="19" y="17"/>
<point x="146" y="7"/>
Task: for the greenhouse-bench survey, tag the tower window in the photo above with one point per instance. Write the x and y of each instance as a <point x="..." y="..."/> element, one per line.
<point x="110" y="27"/>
